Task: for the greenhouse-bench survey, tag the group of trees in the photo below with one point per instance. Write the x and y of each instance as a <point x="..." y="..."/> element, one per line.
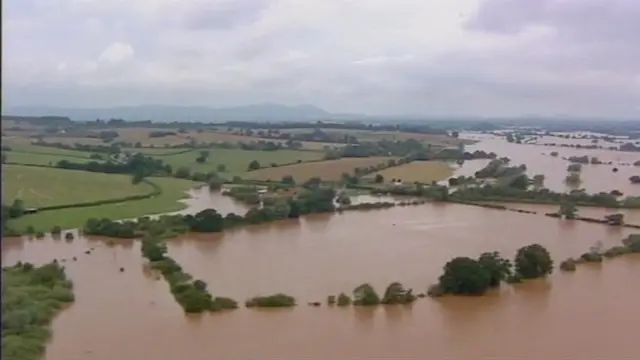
<point x="191" y="294"/>
<point x="468" y="276"/>
<point x="542" y="195"/>
<point x="209" y="220"/>
<point x="31" y="297"/>
<point x="138" y="165"/>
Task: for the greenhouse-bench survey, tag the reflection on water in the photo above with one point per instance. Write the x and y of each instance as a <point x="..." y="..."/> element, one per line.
<point x="131" y="314"/>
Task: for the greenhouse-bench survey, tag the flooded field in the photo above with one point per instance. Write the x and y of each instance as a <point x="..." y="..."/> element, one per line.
<point x="131" y="314"/>
<point x="595" y="178"/>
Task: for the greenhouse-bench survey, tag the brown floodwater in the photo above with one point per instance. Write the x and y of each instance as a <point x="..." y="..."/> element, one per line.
<point x="589" y="314"/>
<point x="595" y="178"/>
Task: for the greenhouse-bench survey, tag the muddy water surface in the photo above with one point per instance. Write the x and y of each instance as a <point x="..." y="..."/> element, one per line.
<point x="595" y="178"/>
<point x="131" y="314"/>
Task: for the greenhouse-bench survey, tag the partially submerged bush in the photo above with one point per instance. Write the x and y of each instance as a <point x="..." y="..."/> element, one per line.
<point x="344" y="300"/>
<point x="435" y="290"/>
<point x="56" y="230"/>
<point x="397" y="294"/>
<point x="68" y="236"/>
<point x="568" y="265"/>
<point x="276" y="300"/>
<point x="365" y="295"/>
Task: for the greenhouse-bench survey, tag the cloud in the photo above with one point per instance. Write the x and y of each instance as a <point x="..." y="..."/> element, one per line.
<point x="439" y="57"/>
<point x="116" y="52"/>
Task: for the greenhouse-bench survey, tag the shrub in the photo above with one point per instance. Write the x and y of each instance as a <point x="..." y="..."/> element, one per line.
<point x="68" y="236"/>
<point x="344" y="300"/>
<point x="56" y="230"/>
<point x="568" y="265"/>
<point x="365" y="295"/>
<point x="276" y="300"/>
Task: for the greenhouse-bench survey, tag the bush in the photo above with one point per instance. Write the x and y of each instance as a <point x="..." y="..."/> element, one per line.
<point x="223" y="303"/>
<point x="344" y="300"/>
<point x="365" y="295"/>
<point x="331" y="300"/>
<point x="397" y="294"/>
<point x="56" y="230"/>
<point x="435" y="290"/>
<point x="31" y="297"/>
<point x="277" y="300"/>
<point x="568" y="265"/>
<point x="591" y="257"/>
<point x="617" y="251"/>
<point x="68" y="236"/>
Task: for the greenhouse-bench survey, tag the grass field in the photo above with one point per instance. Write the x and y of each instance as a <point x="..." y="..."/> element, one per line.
<point x="364" y="135"/>
<point x="237" y="161"/>
<point x="327" y="170"/>
<point x="173" y="190"/>
<point x="39" y="187"/>
<point x="421" y="171"/>
<point x="42" y="159"/>
<point x="24" y="145"/>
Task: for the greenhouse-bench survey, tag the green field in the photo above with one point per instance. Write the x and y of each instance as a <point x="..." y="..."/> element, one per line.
<point x="39" y="186"/>
<point x="237" y="161"/>
<point x="22" y="146"/>
<point x="41" y="159"/>
<point x="172" y="191"/>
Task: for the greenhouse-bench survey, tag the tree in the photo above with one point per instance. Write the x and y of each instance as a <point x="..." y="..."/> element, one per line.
<point x="365" y="295"/>
<point x="288" y="179"/>
<point x="538" y="180"/>
<point x="153" y="249"/>
<point x="254" y="165"/>
<point x="533" y="261"/>
<point x="568" y="210"/>
<point x="221" y="168"/>
<point x="397" y="294"/>
<point x="182" y="173"/>
<point x="379" y="178"/>
<point x="465" y="276"/>
<point x="499" y="269"/>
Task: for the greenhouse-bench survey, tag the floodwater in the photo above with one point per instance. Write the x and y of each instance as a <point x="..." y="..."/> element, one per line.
<point x="589" y="314"/>
<point x="595" y="178"/>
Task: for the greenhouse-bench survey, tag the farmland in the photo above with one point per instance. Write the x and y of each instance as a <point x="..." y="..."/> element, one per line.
<point x="418" y="171"/>
<point x="172" y="191"/>
<point x="39" y="186"/>
<point x="41" y="159"/>
<point x="327" y="170"/>
<point x="237" y="161"/>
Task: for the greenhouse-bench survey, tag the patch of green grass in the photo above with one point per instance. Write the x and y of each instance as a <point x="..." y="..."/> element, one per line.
<point x="237" y="161"/>
<point x="31" y="297"/>
<point x="172" y="191"/>
<point x="22" y="146"/>
<point x="39" y="187"/>
<point x="41" y="159"/>
<point x="420" y="171"/>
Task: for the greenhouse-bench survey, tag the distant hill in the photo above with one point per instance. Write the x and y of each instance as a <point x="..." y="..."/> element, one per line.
<point x="259" y="112"/>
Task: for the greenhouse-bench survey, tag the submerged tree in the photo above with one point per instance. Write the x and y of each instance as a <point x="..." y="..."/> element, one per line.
<point x="498" y="268"/>
<point x="465" y="276"/>
<point x="365" y="295"/>
<point x="533" y="261"/>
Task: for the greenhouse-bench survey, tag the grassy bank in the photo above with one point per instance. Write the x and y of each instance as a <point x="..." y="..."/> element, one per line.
<point x="172" y="191"/>
<point x="31" y="297"/>
<point x="39" y="187"/>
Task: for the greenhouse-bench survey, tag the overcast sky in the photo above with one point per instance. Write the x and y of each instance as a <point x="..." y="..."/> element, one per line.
<point x="457" y="57"/>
